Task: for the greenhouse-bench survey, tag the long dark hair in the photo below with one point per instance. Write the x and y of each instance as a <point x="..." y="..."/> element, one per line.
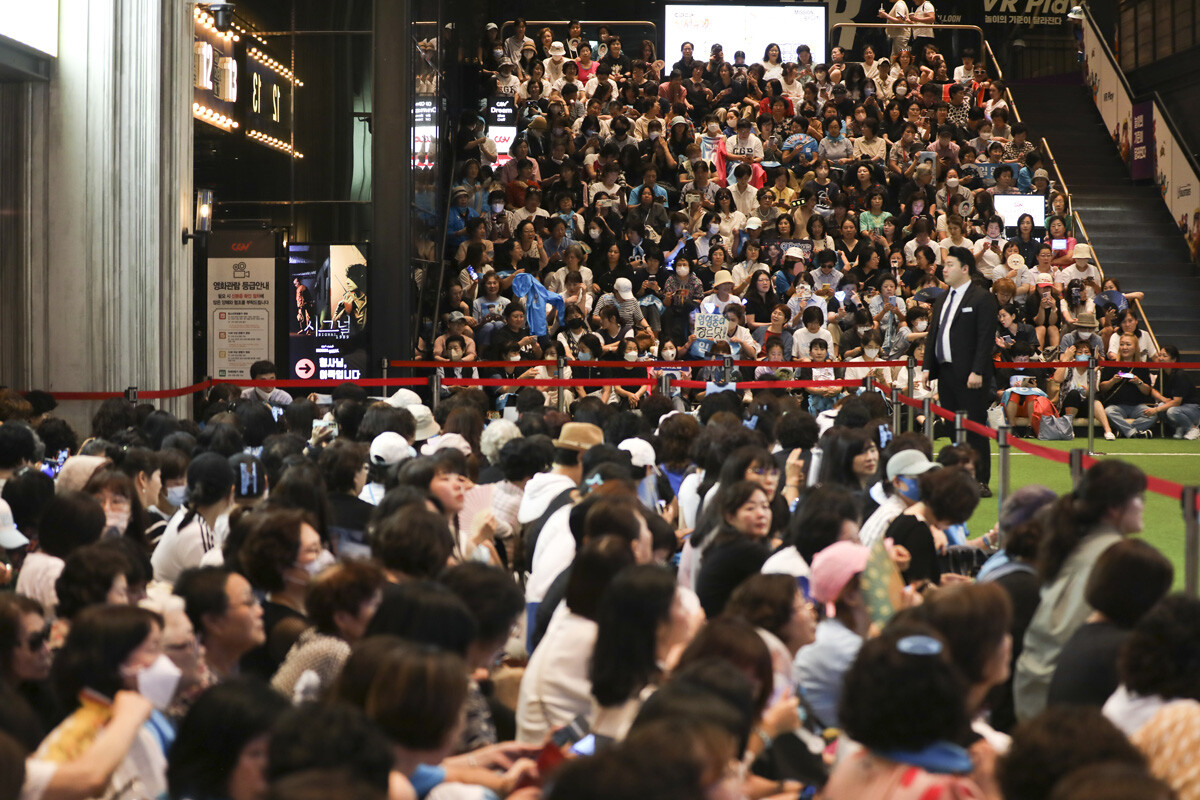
<point x="1107" y="485"/>
<point x="633" y="606"/>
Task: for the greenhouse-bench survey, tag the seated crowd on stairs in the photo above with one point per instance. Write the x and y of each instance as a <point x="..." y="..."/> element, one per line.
<point x="808" y="203"/>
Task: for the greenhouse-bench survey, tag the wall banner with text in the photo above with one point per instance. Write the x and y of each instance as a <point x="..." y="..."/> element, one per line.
<point x="241" y="301"/>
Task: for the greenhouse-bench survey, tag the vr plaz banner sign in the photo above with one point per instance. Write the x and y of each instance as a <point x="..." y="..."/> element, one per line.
<point x="241" y="301"/>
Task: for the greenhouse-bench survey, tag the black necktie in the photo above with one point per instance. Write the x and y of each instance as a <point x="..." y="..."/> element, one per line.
<point x="939" y="348"/>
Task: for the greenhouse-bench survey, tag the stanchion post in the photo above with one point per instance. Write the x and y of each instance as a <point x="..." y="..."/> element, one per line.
<point x="960" y="430"/>
<point x="435" y="390"/>
<point x="1191" y="540"/>
<point x="927" y="412"/>
<point x="562" y="390"/>
<point x="728" y="359"/>
<point x="868" y="383"/>
<point x="1076" y="462"/>
<point x="1003" y="464"/>
<point x="131" y="394"/>
<point x="664" y="384"/>
<point x="1091" y="401"/>
<point x="384" y="363"/>
<point x="912" y="385"/>
<point x="896" y="409"/>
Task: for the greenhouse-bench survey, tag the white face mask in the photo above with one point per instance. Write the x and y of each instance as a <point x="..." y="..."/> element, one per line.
<point x="985" y="135"/>
<point x="595" y="234"/>
<point x="922" y="324"/>
<point x="323" y="561"/>
<point x="118" y="520"/>
<point x="861" y="331"/>
<point x="683" y="272"/>
<point x="654" y="135"/>
<point x="157" y="682"/>
<point x="177" y="495"/>
<point x="952" y="183"/>
<point x="901" y="90"/>
<point x="631" y="355"/>
<point x="668" y="354"/>
<point x="713" y="127"/>
<point x="497" y="207"/>
<point x="714" y="228"/>
<point x="870" y="352"/>
<point x="514" y="358"/>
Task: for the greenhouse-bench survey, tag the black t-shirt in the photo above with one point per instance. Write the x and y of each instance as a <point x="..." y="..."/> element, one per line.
<point x="1124" y="392"/>
<point x="723" y="568"/>
<point x="1178" y="383"/>
<point x="641" y="276"/>
<point x="1087" y="667"/>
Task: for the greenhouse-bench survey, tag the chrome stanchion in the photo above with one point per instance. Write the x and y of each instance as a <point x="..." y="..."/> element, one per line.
<point x="1003" y="464"/>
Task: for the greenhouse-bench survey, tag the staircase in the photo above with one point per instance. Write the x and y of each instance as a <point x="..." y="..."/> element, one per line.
<point x="1128" y="225"/>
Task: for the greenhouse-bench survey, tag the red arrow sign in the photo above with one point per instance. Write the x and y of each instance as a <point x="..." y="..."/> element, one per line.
<point x="305" y="368"/>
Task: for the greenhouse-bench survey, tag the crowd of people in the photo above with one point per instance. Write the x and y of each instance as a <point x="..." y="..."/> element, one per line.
<point x="813" y="205"/>
<point x="364" y="597"/>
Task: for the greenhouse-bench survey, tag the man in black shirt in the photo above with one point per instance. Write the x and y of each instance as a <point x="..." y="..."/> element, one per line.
<point x="1178" y="397"/>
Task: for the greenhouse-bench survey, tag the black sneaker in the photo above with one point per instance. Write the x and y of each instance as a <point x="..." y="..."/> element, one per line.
<point x="984" y="491"/>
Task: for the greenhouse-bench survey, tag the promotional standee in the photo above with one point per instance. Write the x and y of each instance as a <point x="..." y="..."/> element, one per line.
<point x="241" y="301"/>
<point x="327" y="332"/>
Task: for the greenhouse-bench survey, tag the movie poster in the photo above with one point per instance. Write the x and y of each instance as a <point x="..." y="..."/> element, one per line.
<point x="328" y="335"/>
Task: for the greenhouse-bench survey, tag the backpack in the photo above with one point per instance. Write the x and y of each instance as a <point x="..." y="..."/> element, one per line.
<point x="1056" y="429"/>
<point x="1042" y="410"/>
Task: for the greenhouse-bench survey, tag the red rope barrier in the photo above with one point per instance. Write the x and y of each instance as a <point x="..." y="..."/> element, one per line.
<point x="548" y="382"/>
<point x="1040" y="450"/>
<point x="685" y="384"/>
<point x="983" y="430"/>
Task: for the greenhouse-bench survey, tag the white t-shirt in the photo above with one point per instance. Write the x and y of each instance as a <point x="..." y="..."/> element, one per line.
<point x="803" y="338"/>
<point x="899" y="9"/>
<point x="923" y="31"/>
<point x="751" y="146"/>
<point x="181" y="548"/>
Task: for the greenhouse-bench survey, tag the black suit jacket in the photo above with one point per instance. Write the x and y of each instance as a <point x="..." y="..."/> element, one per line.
<point x="972" y="332"/>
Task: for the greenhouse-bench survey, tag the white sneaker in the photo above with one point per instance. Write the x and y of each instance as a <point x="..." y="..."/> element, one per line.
<point x="1109" y="435"/>
<point x="1193" y="433"/>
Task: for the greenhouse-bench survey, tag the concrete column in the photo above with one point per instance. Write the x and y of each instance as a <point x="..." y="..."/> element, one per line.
<point x="105" y="282"/>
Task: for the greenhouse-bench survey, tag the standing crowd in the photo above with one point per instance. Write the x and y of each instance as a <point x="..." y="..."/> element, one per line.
<point x="363" y="597"/>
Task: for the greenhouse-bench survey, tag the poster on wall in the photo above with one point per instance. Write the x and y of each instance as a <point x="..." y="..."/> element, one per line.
<point x="241" y="301"/>
<point x="327" y="332"/>
<point x="1142" y="152"/>
<point x="1178" y="182"/>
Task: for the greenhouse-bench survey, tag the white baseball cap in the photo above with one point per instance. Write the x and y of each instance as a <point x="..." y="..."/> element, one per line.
<point x="909" y="462"/>
<point x="641" y="452"/>
<point x="403" y="398"/>
<point x="427" y="426"/>
<point x="390" y="448"/>
<point x="10" y="537"/>
<point x="623" y="288"/>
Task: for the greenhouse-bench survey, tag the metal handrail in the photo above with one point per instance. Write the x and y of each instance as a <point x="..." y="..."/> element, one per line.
<point x="1083" y="230"/>
<point x="1008" y="98"/>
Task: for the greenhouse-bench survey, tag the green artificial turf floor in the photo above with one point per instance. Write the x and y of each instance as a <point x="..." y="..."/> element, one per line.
<point x="1170" y="459"/>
